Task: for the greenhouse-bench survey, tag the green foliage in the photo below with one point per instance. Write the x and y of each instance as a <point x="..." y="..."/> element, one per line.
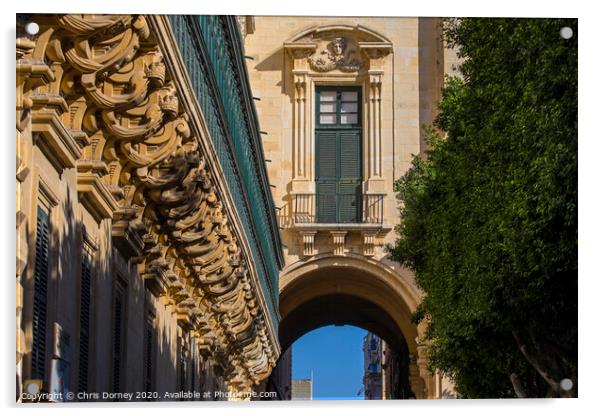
<point x="489" y="217"/>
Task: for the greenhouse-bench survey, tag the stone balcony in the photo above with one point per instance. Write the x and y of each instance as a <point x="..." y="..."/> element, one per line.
<point x="354" y="216"/>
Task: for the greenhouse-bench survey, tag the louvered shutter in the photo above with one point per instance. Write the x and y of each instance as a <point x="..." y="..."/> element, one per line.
<point x="40" y="297"/>
<point x="349" y="186"/>
<point x="326" y="203"/>
<point x="326" y="155"/>
<point x="326" y="176"/>
<point x="349" y="201"/>
<point x="118" y="317"/>
<point x="182" y="374"/>
<point x="338" y="154"/>
<point x="84" y="322"/>
<point x="148" y="355"/>
<point x="351" y="155"/>
<point x="193" y="364"/>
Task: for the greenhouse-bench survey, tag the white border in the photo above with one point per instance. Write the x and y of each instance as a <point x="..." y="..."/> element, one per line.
<point x="590" y="149"/>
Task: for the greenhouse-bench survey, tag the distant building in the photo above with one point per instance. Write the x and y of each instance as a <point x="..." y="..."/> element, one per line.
<point x="302" y="389"/>
<point x="373" y="373"/>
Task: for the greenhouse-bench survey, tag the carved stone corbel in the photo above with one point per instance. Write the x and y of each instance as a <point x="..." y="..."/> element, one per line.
<point x="338" y="242"/>
<point x="51" y="135"/>
<point x="369" y="242"/>
<point x="31" y="73"/>
<point x="308" y="238"/>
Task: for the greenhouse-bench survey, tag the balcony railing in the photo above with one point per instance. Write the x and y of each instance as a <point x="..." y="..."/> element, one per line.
<point x="338" y="209"/>
<point x="212" y="50"/>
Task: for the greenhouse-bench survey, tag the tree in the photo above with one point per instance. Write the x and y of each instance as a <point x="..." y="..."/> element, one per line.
<point x="489" y="214"/>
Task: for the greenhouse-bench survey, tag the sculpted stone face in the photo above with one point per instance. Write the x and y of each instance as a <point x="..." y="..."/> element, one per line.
<point x="338" y="46"/>
<point x="335" y="56"/>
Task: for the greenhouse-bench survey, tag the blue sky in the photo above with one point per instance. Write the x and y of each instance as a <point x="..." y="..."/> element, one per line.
<point x="334" y="353"/>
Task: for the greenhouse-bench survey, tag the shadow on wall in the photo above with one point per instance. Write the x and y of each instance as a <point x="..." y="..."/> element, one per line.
<point x="88" y="364"/>
<point x="275" y="62"/>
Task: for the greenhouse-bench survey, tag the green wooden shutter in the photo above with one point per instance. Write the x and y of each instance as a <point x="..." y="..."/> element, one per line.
<point x="327" y="154"/>
<point x="349" y="186"/>
<point x="118" y="319"/>
<point x="84" y="322"/>
<point x="326" y="202"/>
<point x="326" y="176"/>
<point x="40" y="297"/>
<point x="182" y="374"/>
<point x="351" y="157"/>
<point x="148" y="354"/>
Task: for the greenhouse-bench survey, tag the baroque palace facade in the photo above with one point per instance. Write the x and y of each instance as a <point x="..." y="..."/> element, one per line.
<point x="194" y="193"/>
<point x="148" y="250"/>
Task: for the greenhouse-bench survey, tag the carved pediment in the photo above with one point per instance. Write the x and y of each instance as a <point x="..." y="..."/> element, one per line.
<point x="359" y="32"/>
<point x="346" y="48"/>
<point x="338" y="53"/>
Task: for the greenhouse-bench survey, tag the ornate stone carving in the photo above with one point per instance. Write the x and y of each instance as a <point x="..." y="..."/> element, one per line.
<point x="336" y="55"/>
<point x="109" y="96"/>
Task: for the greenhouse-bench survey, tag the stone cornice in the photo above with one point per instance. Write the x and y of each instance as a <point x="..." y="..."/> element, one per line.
<point x="174" y="61"/>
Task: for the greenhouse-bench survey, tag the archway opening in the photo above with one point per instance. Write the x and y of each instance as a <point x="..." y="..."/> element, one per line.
<point x="328" y="364"/>
<point x="357" y="291"/>
<point x="336" y="334"/>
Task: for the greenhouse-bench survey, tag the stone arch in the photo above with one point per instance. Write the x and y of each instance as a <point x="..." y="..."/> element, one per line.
<point x="339" y="309"/>
<point x="358" y="291"/>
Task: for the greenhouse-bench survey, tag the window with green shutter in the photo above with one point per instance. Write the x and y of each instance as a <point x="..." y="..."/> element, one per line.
<point x="40" y="296"/>
<point x="149" y="361"/>
<point x="85" y="301"/>
<point x="338" y="154"/>
<point x="118" y="341"/>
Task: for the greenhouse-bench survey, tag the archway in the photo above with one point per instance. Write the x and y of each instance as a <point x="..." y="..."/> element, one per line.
<point x="349" y="310"/>
<point x="353" y="290"/>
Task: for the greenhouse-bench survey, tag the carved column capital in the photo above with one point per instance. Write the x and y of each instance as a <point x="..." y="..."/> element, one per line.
<point x="375" y="77"/>
<point x="375" y="52"/>
<point x="300" y="51"/>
